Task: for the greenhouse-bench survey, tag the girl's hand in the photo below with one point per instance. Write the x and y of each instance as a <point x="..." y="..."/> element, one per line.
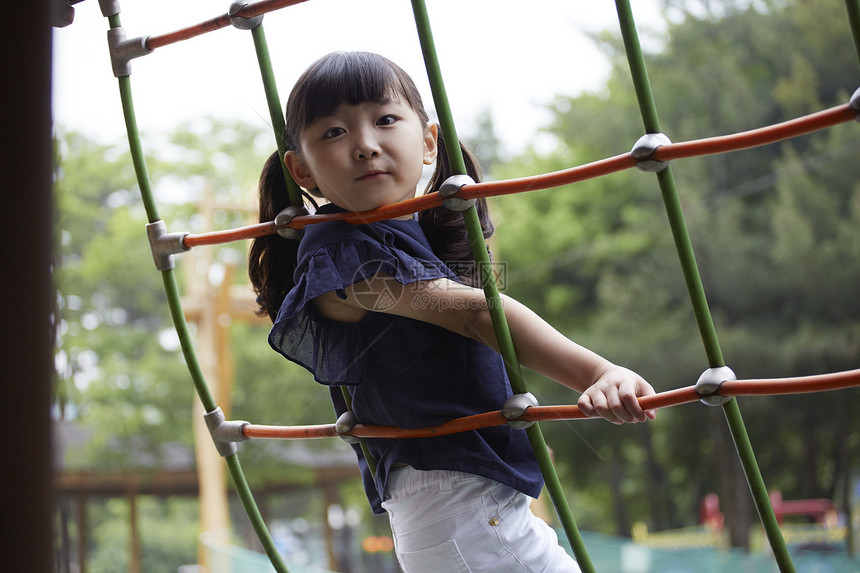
<point x="614" y="397"/>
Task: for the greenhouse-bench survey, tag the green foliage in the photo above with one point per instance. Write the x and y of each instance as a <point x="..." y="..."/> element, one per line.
<point x="119" y="372"/>
<point x="774" y="230"/>
<point x="112" y="374"/>
<point x="120" y="376"/>
<point x="168" y="534"/>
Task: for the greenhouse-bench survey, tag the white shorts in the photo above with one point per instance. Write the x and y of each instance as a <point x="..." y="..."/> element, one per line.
<point x="455" y="522"/>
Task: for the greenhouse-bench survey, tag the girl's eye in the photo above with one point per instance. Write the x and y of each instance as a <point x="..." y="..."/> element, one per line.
<point x="333" y="132"/>
<point x="386" y="120"/>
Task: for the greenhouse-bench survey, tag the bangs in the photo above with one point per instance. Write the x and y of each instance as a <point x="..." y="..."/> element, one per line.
<point x="343" y="80"/>
<point x="346" y="78"/>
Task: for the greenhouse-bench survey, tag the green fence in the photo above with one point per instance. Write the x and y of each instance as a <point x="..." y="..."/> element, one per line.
<point x="623" y="556"/>
<point x="607" y="553"/>
<point x="227" y="558"/>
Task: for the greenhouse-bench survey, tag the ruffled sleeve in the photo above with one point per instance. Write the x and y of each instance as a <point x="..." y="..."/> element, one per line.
<point x="332" y="256"/>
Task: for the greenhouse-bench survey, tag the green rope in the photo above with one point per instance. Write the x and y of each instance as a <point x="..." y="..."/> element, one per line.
<point x="638" y="72"/>
<point x="756" y="483"/>
<point x="689" y="268"/>
<point x="853" y="7"/>
<point x="479" y="251"/>
<point x="368" y="457"/>
<point x="276" y="112"/>
<point x="171" y="288"/>
<point x="136" y="149"/>
<point x="175" y="305"/>
<point x="256" y="518"/>
<point x="696" y="289"/>
<point x="534" y="433"/>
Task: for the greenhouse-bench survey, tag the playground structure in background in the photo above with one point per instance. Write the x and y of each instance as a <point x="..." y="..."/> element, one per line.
<point x="806" y="525"/>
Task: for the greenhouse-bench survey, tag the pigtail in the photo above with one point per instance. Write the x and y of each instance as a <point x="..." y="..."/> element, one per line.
<point x="272" y="259"/>
<point x="445" y="229"/>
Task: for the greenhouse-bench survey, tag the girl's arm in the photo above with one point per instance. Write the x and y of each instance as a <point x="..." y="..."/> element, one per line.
<point x="608" y="391"/>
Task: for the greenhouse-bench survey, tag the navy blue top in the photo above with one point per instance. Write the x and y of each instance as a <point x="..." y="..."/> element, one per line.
<point x="400" y="371"/>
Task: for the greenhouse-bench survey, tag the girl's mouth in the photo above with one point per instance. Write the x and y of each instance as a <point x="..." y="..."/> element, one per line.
<point x="372" y="175"/>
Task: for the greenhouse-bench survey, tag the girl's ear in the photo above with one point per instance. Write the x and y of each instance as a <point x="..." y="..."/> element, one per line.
<point x="299" y="170"/>
<point x="431" y="143"/>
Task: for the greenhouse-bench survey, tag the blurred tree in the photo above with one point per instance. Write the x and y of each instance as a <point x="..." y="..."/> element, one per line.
<point x="771" y="231"/>
<point x="484" y="143"/>
<point x="120" y="375"/>
<point x="112" y="371"/>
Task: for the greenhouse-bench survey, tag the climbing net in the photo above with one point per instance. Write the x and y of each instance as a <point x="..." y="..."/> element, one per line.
<point x="717" y="386"/>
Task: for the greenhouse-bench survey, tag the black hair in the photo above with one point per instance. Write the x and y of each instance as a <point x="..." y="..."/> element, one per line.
<point x="352" y="78"/>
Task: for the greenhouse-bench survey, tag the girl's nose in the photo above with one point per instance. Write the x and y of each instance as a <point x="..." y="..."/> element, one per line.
<point x="366" y="146"/>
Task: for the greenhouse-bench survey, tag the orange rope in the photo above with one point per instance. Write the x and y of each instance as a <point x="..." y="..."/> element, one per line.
<point x="709" y="146"/>
<point x="217" y="23"/>
<point x="754" y="138"/>
<point x="262" y="229"/>
<point x="798" y="385"/>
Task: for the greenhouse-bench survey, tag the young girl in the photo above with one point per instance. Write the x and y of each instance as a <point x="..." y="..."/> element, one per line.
<point x="391" y="311"/>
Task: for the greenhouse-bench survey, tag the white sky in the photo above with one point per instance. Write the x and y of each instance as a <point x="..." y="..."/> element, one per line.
<point x="511" y="57"/>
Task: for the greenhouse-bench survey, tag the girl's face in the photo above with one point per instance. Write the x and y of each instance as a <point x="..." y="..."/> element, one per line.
<point x="364" y="156"/>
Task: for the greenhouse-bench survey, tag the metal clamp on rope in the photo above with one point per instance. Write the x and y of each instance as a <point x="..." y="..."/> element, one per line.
<point x="854" y="103"/>
<point x="283" y="219"/>
<point x="515" y="407"/>
<point x="708" y="385"/>
<point x="645" y="148"/>
<point x="241" y="22"/>
<point x="451" y="187"/>
<point x="122" y="51"/>
<point x="224" y="433"/>
<point x="344" y="424"/>
<point x="62" y="14"/>
<point x="164" y="245"/>
<point x="109" y="7"/>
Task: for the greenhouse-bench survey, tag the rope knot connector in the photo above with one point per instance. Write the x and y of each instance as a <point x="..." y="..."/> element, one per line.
<point x="515" y="407"/>
<point x="854" y="103"/>
<point x="109" y="7"/>
<point x="451" y="187"/>
<point x="164" y="245"/>
<point x="645" y="147"/>
<point x="708" y="385"/>
<point x="122" y="51"/>
<point x="344" y="424"/>
<point x="241" y="22"/>
<point x="224" y="433"/>
<point x="283" y="219"/>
